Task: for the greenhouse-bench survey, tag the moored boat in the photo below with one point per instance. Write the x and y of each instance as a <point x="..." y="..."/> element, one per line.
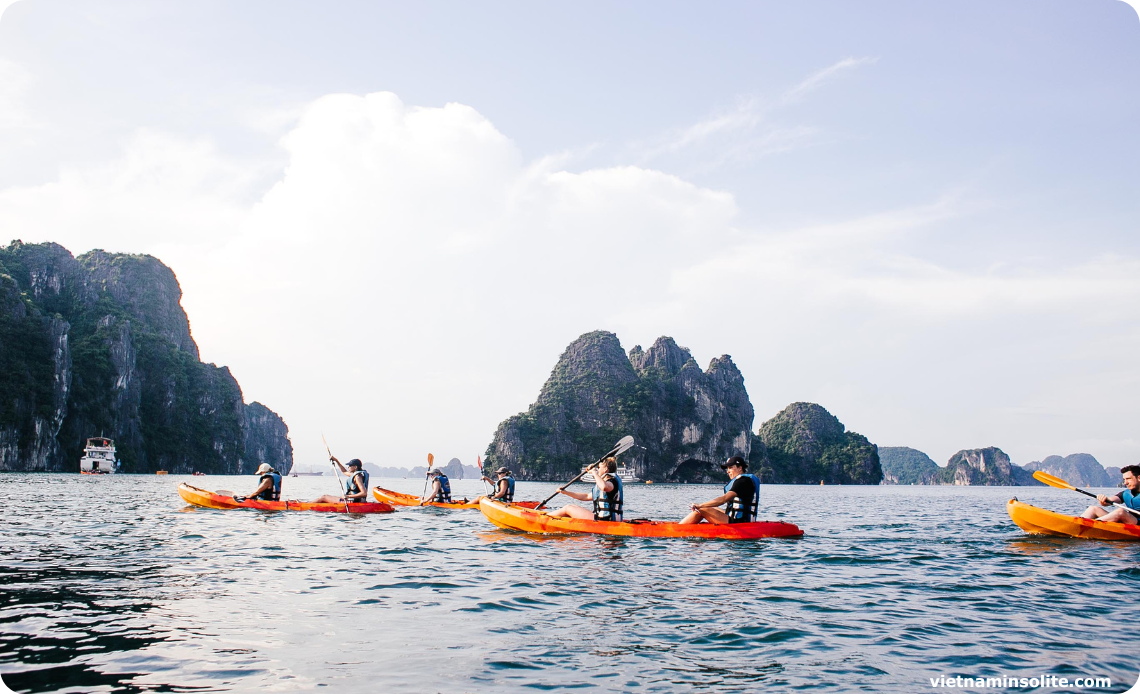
<point x="401" y="499"/>
<point x="207" y="499"/>
<point x="98" y="457"/>
<point x="1039" y="521"/>
<point x="531" y="521"/>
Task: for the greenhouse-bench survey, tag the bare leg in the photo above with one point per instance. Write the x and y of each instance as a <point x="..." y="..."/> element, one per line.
<point x="328" y="499"/>
<point x="1119" y="516"/>
<point x="572" y="511"/>
<point x="1094" y="512"/>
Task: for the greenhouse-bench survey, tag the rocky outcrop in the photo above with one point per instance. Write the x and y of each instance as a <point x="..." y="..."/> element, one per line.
<point x="806" y="444"/>
<point x="684" y="420"/>
<point x="1080" y="469"/>
<point x="100" y="345"/>
<point x="902" y="465"/>
<point x="983" y="466"/>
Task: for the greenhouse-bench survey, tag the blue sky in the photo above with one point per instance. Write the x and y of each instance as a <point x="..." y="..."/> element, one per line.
<point x="922" y="216"/>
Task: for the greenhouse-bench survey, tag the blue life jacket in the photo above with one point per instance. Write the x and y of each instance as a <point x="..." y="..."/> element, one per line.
<point x="608" y="505"/>
<point x="274" y="492"/>
<point x="351" y="488"/>
<point x="744" y="510"/>
<point x="510" y="495"/>
<point x="444" y="495"/>
<point x="1129" y="499"/>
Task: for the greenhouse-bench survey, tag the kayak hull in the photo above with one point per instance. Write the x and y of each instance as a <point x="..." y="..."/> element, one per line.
<point x="530" y="521"/>
<point x="400" y="499"/>
<point x="1039" y="521"/>
<point x="207" y="499"/>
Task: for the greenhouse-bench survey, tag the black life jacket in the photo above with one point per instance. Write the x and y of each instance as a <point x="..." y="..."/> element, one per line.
<point x="444" y="495"/>
<point x="274" y="492"/>
<point x="351" y="488"/>
<point x="608" y="505"/>
<point x="744" y="510"/>
<point x="510" y="495"/>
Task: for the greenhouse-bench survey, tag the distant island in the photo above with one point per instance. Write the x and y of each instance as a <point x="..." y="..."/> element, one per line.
<point x="990" y="467"/>
<point x="686" y="421"/>
<point x="100" y="345"/>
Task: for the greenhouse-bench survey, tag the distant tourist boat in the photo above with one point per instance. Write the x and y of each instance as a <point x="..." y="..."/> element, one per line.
<point x="307" y="474"/>
<point x="624" y="474"/>
<point x="98" y="457"/>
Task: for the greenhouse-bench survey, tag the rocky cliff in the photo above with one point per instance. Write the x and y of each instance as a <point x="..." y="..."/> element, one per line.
<point x="1080" y="469"/>
<point x="684" y="420"/>
<point x="806" y="444"/>
<point x="99" y="344"/>
<point x="983" y="466"/>
<point x="902" y="465"/>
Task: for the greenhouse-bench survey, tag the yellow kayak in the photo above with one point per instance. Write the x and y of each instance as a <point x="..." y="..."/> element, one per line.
<point x="1038" y="521"/>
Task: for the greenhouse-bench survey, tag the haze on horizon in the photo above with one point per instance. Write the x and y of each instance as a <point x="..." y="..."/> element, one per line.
<point x="390" y="220"/>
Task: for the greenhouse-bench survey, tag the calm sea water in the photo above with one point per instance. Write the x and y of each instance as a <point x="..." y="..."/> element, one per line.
<point x="114" y="584"/>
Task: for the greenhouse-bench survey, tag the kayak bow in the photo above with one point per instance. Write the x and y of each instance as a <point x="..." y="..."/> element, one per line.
<point x="1039" y="521"/>
<point x="207" y="499"/>
<point x="530" y="521"/>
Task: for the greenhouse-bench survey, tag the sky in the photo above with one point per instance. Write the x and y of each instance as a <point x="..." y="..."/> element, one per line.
<point x="390" y="219"/>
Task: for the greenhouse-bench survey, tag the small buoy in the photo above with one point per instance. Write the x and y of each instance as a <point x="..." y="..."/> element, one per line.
<point x="649" y="481"/>
<point x="821" y="483"/>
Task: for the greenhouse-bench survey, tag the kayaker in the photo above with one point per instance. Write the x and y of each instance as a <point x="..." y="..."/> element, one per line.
<point x="440" y="491"/>
<point x="504" y="486"/>
<point x="1129" y="496"/>
<point x="269" y="486"/>
<point x="607" y="495"/>
<point x="741" y="494"/>
<point x="355" y="487"/>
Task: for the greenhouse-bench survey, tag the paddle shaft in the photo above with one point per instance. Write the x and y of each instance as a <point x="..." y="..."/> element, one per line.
<point x="337" y="471"/>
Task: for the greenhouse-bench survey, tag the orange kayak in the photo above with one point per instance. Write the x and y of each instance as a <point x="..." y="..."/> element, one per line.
<point x="1041" y="522"/>
<point x="206" y="499"/>
<point x="530" y="521"/>
<point x="400" y="499"/>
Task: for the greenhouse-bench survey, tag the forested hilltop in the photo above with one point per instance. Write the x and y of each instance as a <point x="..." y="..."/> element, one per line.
<point x="685" y="420"/>
<point x="100" y="344"/>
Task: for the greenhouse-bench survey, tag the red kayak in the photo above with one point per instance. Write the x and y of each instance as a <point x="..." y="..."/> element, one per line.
<point x="207" y="499"/>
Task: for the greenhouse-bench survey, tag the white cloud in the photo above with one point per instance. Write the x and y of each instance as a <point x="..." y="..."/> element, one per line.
<point x="816" y="79"/>
<point x="409" y="280"/>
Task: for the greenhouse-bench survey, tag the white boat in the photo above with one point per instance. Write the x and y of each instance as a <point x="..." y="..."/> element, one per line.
<point x="98" y="457"/>
<point x="624" y="473"/>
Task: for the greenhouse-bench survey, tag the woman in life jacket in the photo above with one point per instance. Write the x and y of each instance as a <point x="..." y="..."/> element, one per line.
<point x="269" y="486"/>
<point x="741" y="498"/>
<point x="1129" y="496"/>
<point x="355" y="487"/>
<point x="607" y="496"/>
<point x="504" y="486"/>
<point x="440" y="490"/>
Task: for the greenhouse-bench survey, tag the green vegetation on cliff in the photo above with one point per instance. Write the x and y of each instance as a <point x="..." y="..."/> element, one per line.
<point x="100" y="345"/>
<point x="902" y="465"/>
<point x="806" y="444"/>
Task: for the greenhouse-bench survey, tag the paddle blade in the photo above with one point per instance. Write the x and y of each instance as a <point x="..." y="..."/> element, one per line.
<point x="623" y="445"/>
<point x="1051" y="480"/>
<point x="479" y="462"/>
<point x="431" y="459"/>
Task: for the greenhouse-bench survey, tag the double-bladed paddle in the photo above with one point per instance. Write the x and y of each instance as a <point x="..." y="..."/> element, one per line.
<point x="337" y="471"/>
<point x="1054" y="481"/>
<point x="622" y="446"/>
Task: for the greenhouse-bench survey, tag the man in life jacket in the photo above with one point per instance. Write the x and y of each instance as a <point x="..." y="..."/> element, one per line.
<point x="607" y="496"/>
<point x="355" y="486"/>
<point x="269" y="486"/>
<point x="504" y="486"/>
<point x="741" y="494"/>
<point x="1129" y="496"/>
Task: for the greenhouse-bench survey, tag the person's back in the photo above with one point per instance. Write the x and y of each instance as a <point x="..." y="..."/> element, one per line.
<point x="608" y="505"/>
<point x="746" y="506"/>
<point x="443" y="494"/>
<point x="271" y="492"/>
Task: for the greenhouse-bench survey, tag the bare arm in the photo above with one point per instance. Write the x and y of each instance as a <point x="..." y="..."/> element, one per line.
<point x="265" y="485"/>
<point x="719" y="501"/>
<point x="360" y="496"/>
<point x="338" y="464"/>
<point x="580" y="496"/>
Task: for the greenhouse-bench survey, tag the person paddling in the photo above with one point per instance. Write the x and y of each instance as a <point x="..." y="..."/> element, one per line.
<point x="1129" y="496"/>
<point x="504" y="486"/>
<point x="355" y="488"/>
<point x="741" y="494"/>
<point x="607" y="495"/>
<point x="440" y="490"/>
<point x="269" y="486"/>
